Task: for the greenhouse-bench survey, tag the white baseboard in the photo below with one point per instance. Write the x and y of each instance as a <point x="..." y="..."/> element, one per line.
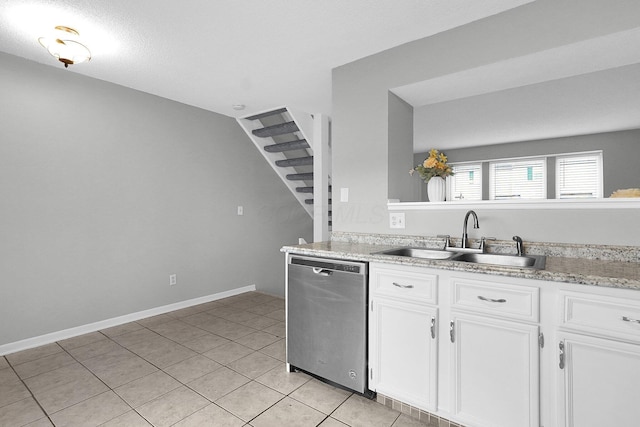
<point x="115" y="321"/>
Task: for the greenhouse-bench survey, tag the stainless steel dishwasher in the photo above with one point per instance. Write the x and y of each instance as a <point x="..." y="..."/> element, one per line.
<point x="327" y="319"/>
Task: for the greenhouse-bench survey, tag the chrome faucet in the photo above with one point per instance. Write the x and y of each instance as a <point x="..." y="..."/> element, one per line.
<point x="518" y="241"/>
<point x="464" y="227"/>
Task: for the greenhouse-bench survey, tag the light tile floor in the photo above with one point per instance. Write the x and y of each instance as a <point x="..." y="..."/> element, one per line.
<point x="215" y="364"/>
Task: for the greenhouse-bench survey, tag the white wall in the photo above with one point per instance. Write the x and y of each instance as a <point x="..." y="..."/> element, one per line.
<point x="362" y="137"/>
<point x="105" y="191"/>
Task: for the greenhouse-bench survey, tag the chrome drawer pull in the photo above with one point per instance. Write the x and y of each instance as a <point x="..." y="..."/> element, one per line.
<point x="501" y="300"/>
<point x="402" y="286"/>
<point x="628" y="319"/>
<point x="433" y="327"/>
<point x="452" y="332"/>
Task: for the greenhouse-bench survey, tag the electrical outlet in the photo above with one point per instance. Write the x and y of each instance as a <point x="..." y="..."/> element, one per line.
<point x="396" y="219"/>
<point x="173" y="279"/>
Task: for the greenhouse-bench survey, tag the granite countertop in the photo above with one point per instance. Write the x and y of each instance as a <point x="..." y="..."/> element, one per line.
<point x="594" y="272"/>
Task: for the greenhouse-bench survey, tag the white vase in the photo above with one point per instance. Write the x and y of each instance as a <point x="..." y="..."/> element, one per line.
<point x="436" y="189"/>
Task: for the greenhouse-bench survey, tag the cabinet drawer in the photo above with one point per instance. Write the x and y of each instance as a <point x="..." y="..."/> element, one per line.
<point x="404" y="283"/>
<point x="513" y="301"/>
<point x="601" y="314"/>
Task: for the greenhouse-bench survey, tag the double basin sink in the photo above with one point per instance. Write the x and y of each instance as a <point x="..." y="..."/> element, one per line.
<point x="536" y="262"/>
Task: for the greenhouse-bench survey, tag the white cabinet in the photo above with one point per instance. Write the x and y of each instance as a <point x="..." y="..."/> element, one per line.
<point x="494" y="371"/>
<point x="598" y="360"/>
<point x="467" y="347"/>
<point x="404" y="358"/>
<point x="403" y="335"/>
<point x="599" y="382"/>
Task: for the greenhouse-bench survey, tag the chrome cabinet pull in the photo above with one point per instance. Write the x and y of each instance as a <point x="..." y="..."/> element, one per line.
<point x="452" y="333"/>
<point x="433" y="326"/>
<point x="561" y="347"/>
<point x="322" y="271"/>
<point x="402" y="286"/>
<point x="501" y="300"/>
<point x="629" y="319"/>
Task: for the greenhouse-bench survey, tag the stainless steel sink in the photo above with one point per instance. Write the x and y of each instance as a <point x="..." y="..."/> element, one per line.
<point x="526" y="261"/>
<point x="418" y="253"/>
<point x="536" y="262"/>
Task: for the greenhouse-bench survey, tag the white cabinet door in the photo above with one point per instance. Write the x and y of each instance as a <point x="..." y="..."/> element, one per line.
<point x="599" y="382"/>
<point x="495" y="372"/>
<point x="403" y="352"/>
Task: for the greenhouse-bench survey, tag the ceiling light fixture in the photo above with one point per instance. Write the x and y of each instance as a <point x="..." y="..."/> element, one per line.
<point x="62" y="46"/>
<point x="238" y="107"/>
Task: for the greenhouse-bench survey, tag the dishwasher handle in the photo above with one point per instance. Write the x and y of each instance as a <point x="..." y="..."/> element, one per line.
<point x="326" y="267"/>
<point x="322" y="272"/>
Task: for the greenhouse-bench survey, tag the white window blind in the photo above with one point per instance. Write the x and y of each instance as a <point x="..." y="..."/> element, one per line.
<point x="518" y="179"/>
<point x="579" y="176"/>
<point x="466" y="182"/>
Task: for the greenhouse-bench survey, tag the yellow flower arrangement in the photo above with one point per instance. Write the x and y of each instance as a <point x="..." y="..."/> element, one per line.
<point x="434" y="165"/>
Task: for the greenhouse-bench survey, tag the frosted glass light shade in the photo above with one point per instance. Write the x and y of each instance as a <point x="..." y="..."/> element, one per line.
<point x="64" y="49"/>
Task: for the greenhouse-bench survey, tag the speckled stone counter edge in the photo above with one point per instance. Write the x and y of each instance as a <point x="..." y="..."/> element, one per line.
<point x="583" y="271"/>
<point x="564" y="250"/>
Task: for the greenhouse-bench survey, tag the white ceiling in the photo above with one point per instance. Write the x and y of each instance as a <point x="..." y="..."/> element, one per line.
<point x="213" y="54"/>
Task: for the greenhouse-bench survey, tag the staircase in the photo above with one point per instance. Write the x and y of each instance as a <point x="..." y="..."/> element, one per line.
<point x="296" y="145"/>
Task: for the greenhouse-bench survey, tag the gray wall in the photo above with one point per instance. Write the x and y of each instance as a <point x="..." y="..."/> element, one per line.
<point x="105" y="191"/>
<point x="361" y="133"/>
<point x="585" y="104"/>
<point x="401" y="132"/>
<point x="620" y="154"/>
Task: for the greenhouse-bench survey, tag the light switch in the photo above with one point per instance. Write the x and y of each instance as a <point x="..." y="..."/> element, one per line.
<point x="240" y="211"/>
<point x="344" y="194"/>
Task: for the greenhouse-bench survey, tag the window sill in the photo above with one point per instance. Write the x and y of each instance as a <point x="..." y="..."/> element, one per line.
<point x="615" y="203"/>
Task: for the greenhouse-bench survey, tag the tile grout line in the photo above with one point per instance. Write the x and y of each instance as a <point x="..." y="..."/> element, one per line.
<point x="64" y="350"/>
<point x="185" y="384"/>
<point x="250" y="379"/>
<point x="116" y="393"/>
<point x="266" y="409"/>
<point x="97" y="377"/>
<point x="46" y="415"/>
<point x="171" y="318"/>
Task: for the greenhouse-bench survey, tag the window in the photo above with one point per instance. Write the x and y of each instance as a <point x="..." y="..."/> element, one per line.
<point x="518" y="179"/>
<point x="466" y="182"/>
<point x="579" y="176"/>
<point x="576" y="176"/>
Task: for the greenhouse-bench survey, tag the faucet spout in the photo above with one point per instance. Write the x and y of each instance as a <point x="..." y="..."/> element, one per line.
<point x="518" y="241"/>
<point x="464" y="227"/>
